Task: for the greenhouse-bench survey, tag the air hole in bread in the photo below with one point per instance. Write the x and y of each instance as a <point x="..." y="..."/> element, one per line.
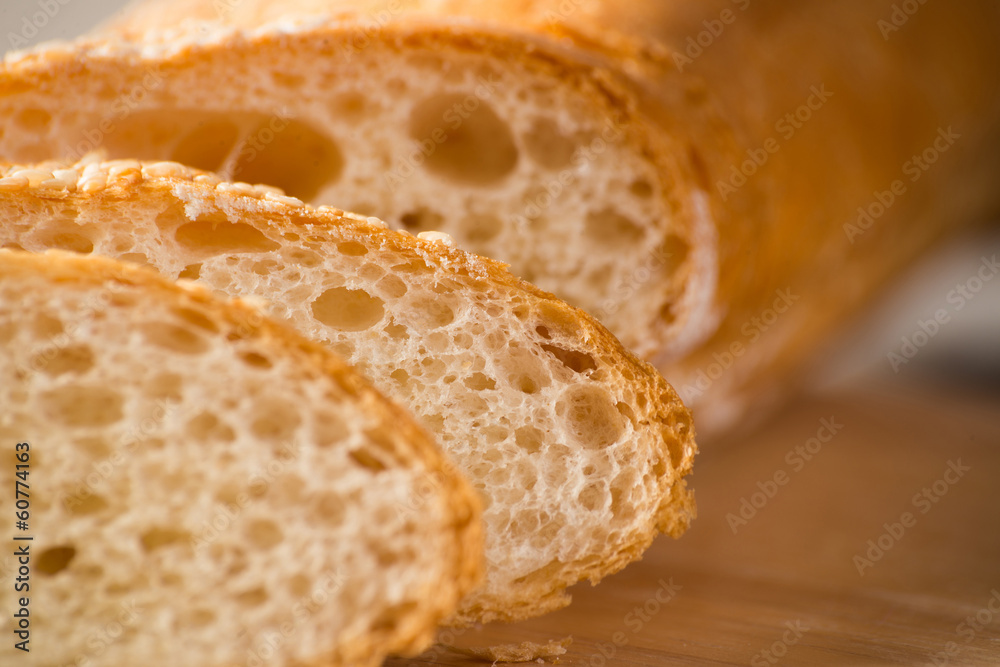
<point x="592" y="496"/>
<point x="252" y="598"/>
<point x="548" y="146"/>
<point x="255" y="360"/>
<point x="213" y="234"/>
<point x="276" y="421"/>
<point x="578" y="362"/>
<point x="54" y="560"/>
<point x="481" y="228"/>
<point x="432" y="313"/>
<point x="264" y="533"/>
<point x="591" y="417"/>
<point x="352" y="249"/>
<point x="174" y="338"/>
<point x="422" y="220"/>
<point x="158" y="537"/>
<point x="613" y="229"/>
<point x="66" y="235"/>
<point x="641" y="188"/>
<point x="301" y="256"/>
<point x="138" y="258"/>
<point x="83" y="405"/>
<point x="291" y="155"/>
<point x="34" y="120"/>
<point x="366" y="460"/>
<point x="463" y="139"/>
<point x="400" y="376"/>
<point x="392" y="287"/>
<point x="352" y="106"/>
<point x="191" y="272"/>
<point x="348" y="310"/>
<point x="480" y="382"/>
<point x="675" y="249"/>
<point x="207" y="145"/>
<point x="397" y="331"/>
<point x="87" y="504"/>
<point x="197" y="318"/>
<point x="529" y="438"/>
<point x="205" y="427"/>
<point x="46" y="326"/>
<point x="76" y="359"/>
<point x="165" y="386"/>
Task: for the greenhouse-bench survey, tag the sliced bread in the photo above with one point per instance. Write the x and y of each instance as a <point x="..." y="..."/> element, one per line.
<point x="200" y="486"/>
<point x="577" y="448"/>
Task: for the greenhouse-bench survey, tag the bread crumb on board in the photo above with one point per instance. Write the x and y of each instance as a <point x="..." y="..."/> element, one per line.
<point x="523" y="652"/>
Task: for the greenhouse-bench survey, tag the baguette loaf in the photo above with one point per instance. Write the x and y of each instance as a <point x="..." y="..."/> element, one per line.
<point x="713" y="180"/>
<point x="578" y="448"/>
<point x="203" y="487"/>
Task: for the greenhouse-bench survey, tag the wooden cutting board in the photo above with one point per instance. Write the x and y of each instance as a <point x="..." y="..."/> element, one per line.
<point x="880" y="545"/>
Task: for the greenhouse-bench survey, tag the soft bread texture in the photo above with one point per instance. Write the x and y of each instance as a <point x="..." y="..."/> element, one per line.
<point x="208" y="488"/>
<point x="578" y="448"/>
<point x="636" y="158"/>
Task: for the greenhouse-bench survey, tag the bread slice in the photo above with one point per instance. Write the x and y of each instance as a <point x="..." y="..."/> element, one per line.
<point x="577" y="448"/>
<point x="204" y="487"/>
<point x="673" y="167"/>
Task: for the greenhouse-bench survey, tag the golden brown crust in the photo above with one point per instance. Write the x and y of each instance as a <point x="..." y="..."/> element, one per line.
<point x="150" y="183"/>
<point x="466" y="571"/>
<point x="896" y="80"/>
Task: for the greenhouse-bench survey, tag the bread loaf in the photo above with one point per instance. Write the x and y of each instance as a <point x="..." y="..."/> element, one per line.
<point x="200" y="486"/>
<point x="577" y="448"/>
<point x="712" y="180"/>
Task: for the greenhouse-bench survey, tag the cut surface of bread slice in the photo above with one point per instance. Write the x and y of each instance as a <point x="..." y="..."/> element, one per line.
<point x="674" y="168"/>
<point x="577" y="448"/>
<point x="204" y="487"/>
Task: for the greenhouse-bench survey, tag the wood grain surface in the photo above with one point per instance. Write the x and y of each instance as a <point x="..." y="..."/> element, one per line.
<point x="797" y="582"/>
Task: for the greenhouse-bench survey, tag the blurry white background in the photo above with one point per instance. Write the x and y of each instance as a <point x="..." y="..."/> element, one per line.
<point x="965" y="352"/>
